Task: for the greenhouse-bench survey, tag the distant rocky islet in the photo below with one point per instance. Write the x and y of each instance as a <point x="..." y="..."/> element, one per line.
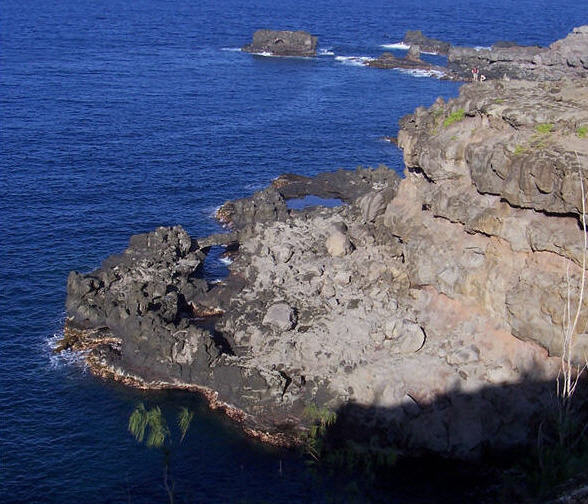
<point x="282" y="43"/>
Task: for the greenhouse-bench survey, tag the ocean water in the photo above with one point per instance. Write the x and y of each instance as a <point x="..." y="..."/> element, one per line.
<point x="120" y="116"/>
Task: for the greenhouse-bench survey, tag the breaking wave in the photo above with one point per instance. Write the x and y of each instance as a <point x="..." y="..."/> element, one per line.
<point x="437" y="74"/>
<point x="404" y="47"/>
<point x="353" y="60"/>
<point x="396" y="45"/>
<point x="65" y="358"/>
<point x="327" y="51"/>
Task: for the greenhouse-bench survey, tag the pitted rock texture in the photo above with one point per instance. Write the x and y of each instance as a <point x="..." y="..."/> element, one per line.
<point x="151" y="276"/>
<point x="505" y="178"/>
<point x="368" y="337"/>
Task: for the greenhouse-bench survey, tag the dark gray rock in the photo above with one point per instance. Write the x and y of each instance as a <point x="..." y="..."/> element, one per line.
<point x="411" y="61"/>
<point x="270" y="204"/>
<point x="283" y="43"/>
<point x="426" y="44"/>
<point x="501" y="44"/>
<point x="263" y="206"/>
<point x="346" y="185"/>
<point x="151" y="276"/>
<point x="496" y="63"/>
<point x="148" y="316"/>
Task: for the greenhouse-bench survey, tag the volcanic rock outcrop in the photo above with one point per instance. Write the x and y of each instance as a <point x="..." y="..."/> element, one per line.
<point x="564" y="58"/>
<point x="426" y="44"/>
<point x="504" y="161"/>
<point x="428" y="309"/>
<point x="282" y="43"/>
<point x="411" y="61"/>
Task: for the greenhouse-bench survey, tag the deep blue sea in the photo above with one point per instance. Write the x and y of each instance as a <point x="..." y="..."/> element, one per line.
<point x="118" y="116"/>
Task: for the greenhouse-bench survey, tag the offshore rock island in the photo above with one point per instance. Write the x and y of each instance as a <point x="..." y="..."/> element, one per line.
<point x="282" y="43"/>
<point x="426" y="309"/>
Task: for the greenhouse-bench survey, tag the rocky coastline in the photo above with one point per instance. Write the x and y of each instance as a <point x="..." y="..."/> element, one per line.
<point x="428" y="308"/>
<point x="503" y="60"/>
<point x="411" y="61"/>
<point x="565" y="58"/>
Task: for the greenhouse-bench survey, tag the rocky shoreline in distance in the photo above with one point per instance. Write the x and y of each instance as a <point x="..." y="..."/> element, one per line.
<point x="503" y="60"/>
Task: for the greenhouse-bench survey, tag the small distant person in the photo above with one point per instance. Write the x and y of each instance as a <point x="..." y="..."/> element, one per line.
<point x="475" y="72"/>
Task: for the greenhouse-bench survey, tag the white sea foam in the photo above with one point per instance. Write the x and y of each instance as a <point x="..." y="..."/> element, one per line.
<point x="231" y="49"/>
<point x="226" y="260"/>
<point x="404" y="47"/>
<point x="266" y="54"/>
<point x="327" y="51"/>
<point x="421" y="73"/>
<point x="353" y="60"/>
<point x="396" y="45"/>
<point x="65" y="357"/>
<point x="482" y="48"/>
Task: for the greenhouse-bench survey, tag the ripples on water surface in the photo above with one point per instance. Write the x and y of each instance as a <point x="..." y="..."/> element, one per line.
<point x="119" y="116"/>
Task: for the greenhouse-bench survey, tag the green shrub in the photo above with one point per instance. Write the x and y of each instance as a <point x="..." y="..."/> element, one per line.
<point x="552" y="463"/>
<point x="335" y="454"/>
<point x="454" y="117"/>
<point x="582" y="131"/>
<point x="519" y="149"/>
<point x="544" y="128"/>
<point x="320" y="420"/>
<point x="152" y="423"/>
